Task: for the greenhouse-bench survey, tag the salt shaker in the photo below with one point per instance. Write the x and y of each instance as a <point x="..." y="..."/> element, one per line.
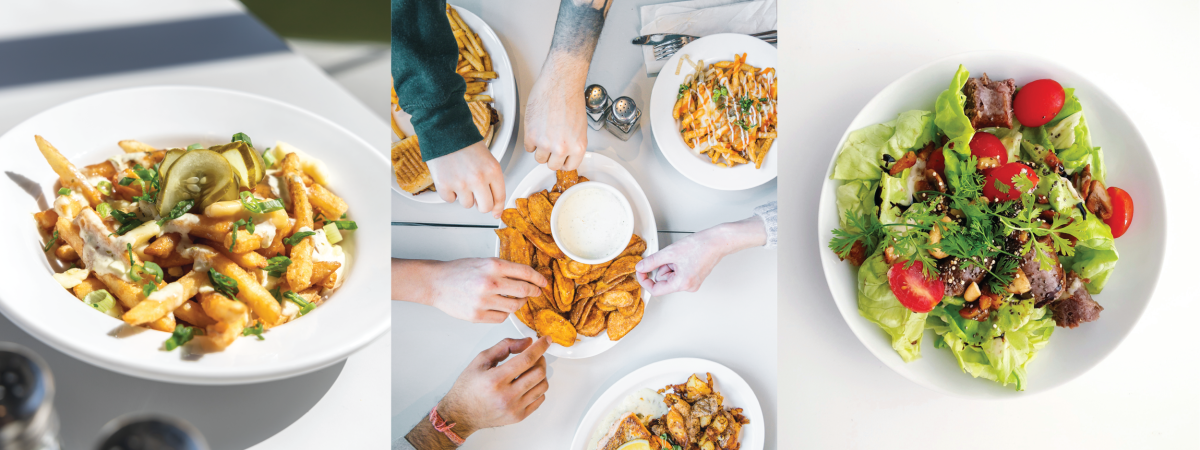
<point x="598" y="105"/>
<point x="623" y="121"/>
<point x="150" y="432"/>
<point x="27" y="417"/>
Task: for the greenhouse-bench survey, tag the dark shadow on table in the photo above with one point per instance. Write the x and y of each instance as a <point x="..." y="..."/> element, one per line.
<point x="228" y="416"/>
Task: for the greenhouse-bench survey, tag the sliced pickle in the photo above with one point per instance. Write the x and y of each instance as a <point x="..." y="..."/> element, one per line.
<point x="201" y="175"/>
<point x="169" y="159"/>
<point x="247" y="165"/>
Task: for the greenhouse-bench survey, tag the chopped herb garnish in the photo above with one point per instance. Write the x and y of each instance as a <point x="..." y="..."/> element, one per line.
<point x="194" y="147"/>
<point x="182" y="335"/>
<point x="104" y="210"/>
<point x="131" y="272"/>
<point x="148" y="289"/>
<point x="295" y="238"/>
<point x="745" y="103"/>
<point x="126" y="181"/>
<point x="233" y="233"/>
<point x="128" y="221"/>
<point x="304" y="305"/>
<point x="268" y="158"/>
<point x="254" y="205"/>
<point x="277" y="266"/>
<point x="683" y="88"/>
<point x="105" y="187"/>
<point x="275" y="293"/>
<point x="242" y="137"/>
<point x="152" y="269"/>
<point x="50" y="244"/>
<point x="345" y="224"/>
<point x="222" y="284"/>
<point x="178" y="211"/>
<point x="64" y="191"/>
<point x="256" y="330"/>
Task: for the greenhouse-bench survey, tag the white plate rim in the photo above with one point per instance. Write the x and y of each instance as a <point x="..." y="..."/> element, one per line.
<point x="508" y="119"/>
<point x="185" y="373"/>
<point x="681" y="369"/>
<point x="641" y="210"/>
<point x="867" y="332"/>
<point x="667" y="137"/>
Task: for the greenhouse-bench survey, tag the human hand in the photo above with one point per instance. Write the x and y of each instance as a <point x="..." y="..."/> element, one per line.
<point x="488" y="395"/>
<point x="555" y="125"/>
<point x="481" y="289"/>
<point x="684" y="265"/>
<point x="472" y="176"/>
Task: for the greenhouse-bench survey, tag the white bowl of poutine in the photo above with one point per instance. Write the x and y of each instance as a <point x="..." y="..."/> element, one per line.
<point x="227" y="311"/>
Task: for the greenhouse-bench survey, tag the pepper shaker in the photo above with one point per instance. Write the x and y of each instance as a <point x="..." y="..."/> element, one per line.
<point x="150" y="432"/>
<point x="598" y="105"/>
<point x="623" y="121"/>
<point x="27" y="417"/>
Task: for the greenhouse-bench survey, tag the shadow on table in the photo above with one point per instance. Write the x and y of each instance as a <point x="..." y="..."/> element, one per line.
<point x="228" y="416"/>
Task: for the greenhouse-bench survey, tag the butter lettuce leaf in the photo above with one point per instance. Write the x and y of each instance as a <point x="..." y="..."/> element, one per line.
<point x="877" y="303"/>
<point x="862" y="155"/>
<point x="856" y="197"/>
<point x="999" y="348"/>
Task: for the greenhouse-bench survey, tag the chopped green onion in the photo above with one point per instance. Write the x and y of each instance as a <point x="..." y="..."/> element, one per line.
<point x="181" y="336"/>
<point x="148" y="289"/>
<point x="50" y="243"/>
<point x="277" y="266"/>
<point x="178" y="211"/>
<point x="275" y="293"/>
<point x="64" y="191"/>
<point x="104" y="210"/>
<point x="257" y="206"/>
<point x="268" y="158"/>
<point x="194" y="147"/>
<point x="305" y="306"/>
<point x="152" y="269"/>
<point x="105" y="187"/>
<point x="296" y="238"/>
<point x="256" y="330"/>
<point x="130" y="271"/>
<point x="126" y="181"/>
<point x="345" y="224"/>
<point x="102" y="301"/>
<point x="242" y="137"/>
<point x="222" y="284"/>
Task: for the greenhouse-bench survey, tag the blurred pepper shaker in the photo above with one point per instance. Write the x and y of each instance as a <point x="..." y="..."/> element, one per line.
<point x="598" y="104"/>
<point x="27" y="418"/>
<point x="623" y="121"/>
<point x="150" y="432"/>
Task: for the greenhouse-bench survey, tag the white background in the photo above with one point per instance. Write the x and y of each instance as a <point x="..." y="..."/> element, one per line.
<point x="838" y="55"/>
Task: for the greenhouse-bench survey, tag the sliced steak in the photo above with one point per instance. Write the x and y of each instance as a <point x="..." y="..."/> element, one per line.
<point x="1045" y="284"/>
<point x="1076" y="306"/>
<point x="959" y="273"/>
<point x="989" y="103"/>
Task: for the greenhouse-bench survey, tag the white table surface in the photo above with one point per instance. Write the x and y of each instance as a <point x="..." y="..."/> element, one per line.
<point x="835" y="393"/>
<point x="731" y="320"/>
<point x="342" y="406"/>
<point x="525" y="28"/>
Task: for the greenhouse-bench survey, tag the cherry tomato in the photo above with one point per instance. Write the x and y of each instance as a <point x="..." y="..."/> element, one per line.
<point x="914" y="291"/>
<point x="1005" y="174"/>
<point x="937" y="162"/>
<point x="987" y="145"/>
<point x="1122" y="214"/>
<point x="1038" y="102"/>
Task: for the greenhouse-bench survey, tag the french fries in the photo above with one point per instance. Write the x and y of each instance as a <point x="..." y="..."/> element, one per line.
<point x="727" y="111"/>
<point x="207" y="269"/>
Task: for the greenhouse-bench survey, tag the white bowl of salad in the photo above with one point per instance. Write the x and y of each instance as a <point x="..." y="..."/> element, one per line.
<point x="980" y="228"/>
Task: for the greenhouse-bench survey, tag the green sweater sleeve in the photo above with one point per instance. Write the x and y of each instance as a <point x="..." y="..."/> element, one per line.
<point x="424" y="57"/>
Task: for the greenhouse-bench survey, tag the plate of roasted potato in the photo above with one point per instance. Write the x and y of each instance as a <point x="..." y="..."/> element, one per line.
<point x="491" y="95"/>
<point x="656" y="402"/>
<point x="224" y="242"/>
<point x="586" y="308"/>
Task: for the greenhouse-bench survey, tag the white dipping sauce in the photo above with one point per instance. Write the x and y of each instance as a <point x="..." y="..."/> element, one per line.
<point x="591" y="223"/>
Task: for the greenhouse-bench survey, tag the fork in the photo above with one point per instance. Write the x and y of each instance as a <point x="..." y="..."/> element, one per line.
<point x="667" y="49"/>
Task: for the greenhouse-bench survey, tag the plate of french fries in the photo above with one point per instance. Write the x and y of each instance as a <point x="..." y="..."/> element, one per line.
<point x="226" y="242"/>
<point x="585" y="309"/>
<point x="714" y="111"/>
<point x="491" y="95"/>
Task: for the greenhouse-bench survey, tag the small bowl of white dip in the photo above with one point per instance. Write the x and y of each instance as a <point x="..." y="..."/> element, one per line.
<point x="592" y="222"/>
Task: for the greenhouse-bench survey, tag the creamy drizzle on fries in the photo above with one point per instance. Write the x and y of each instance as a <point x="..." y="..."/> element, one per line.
<point x="727" y="110"/>
<point x="214" y="270"/>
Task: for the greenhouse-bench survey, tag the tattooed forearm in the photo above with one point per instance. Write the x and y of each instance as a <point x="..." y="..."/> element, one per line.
<point x="578" y="27"/>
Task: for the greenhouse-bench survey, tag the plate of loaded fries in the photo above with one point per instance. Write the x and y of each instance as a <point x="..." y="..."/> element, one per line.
<point x="682" y="403"/>
<point x="979" y="215"/>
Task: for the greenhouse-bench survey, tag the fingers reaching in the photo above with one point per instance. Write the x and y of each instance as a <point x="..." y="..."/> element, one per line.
<point x="497" y="353"/>
<point x="524" y="361"/>
<point x="524" y="273"/>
